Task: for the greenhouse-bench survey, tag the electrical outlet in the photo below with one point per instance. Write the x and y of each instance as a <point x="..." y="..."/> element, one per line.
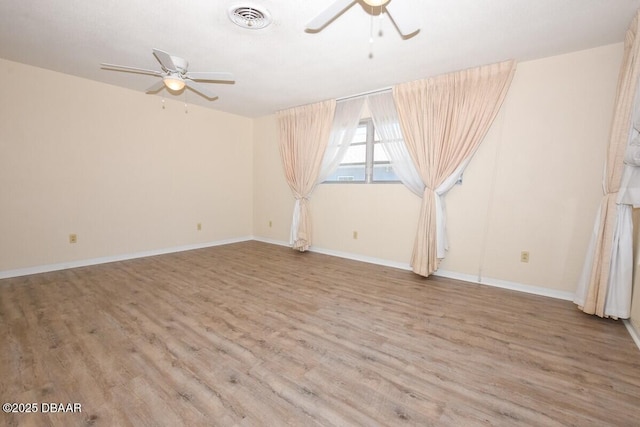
<point x="355" y="235"/>
<point x="199" y="226"/>
<point x="524" y="256"/>
<point x="73" y="238"/>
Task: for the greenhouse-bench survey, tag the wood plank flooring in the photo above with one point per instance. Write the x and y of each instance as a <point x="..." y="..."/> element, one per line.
<point x="252" y="334"/>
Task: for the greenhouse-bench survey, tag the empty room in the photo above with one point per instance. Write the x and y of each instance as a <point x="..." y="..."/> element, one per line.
<point x="320" y="213"/>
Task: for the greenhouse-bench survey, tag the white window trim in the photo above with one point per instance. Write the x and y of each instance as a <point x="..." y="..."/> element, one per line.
<point x="369" y="159"/>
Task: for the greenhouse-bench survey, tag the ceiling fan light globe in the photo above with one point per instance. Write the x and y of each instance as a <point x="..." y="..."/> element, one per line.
<point x="375" y="3"/>
<point x="173" y="83"/>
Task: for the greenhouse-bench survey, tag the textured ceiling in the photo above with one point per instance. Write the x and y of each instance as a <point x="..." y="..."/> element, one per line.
<point x="281" y="65"/>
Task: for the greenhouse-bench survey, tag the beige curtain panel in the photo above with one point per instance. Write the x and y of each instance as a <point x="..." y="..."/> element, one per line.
<point x="304" y="135"/>
<point x="444" y="120"/>
<point x="598" y="281"/>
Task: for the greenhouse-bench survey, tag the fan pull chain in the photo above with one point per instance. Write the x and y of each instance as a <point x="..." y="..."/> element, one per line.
<point x="163" y="102"/>
<point x="186" y="108"/>
<point x="371" y="35"/>
<point x="380" y="33"/>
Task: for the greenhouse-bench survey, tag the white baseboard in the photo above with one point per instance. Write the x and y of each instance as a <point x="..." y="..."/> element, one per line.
<point x="270" y="241"/>
<point x="514" y="286"/>
<point x="632" y="331"/>
<point x="346" y="255"/>
<point x="362" y="258"/>
<point x="553" y="293"/>
<point x="103" y="260"/>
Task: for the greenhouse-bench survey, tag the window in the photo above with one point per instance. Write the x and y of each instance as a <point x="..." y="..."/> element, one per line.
<point x="365" y="160"/>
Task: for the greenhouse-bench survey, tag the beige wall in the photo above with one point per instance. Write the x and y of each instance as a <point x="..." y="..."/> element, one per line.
<point x="111" y="165"/>
<point x="534" y="184"/>
<point x="272" y="200"/>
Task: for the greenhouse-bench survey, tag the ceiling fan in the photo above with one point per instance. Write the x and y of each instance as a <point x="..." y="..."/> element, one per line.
<point x="398" y="10"/>
<point x="175" y="75"/>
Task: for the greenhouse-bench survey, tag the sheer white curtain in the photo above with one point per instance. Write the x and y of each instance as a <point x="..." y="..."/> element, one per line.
<point x="604" y="289"/>
<point x="621" y="277"/>
<point x="618" y="303"/>
<point x="618" y="299"/>
<point x="343" y="129"/>
<point x="442" y="243"/>
<point x="385" y="120"/>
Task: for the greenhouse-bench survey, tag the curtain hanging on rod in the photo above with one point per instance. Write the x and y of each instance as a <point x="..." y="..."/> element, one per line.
<point x="604" y="289"/>
<point x="444" y="119"/>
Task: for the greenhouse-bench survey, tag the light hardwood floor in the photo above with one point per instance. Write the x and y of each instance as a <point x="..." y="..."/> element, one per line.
<point x="252" y="334"/>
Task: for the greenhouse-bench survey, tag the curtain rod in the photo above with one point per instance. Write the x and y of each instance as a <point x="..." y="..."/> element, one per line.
<point x="359" y="95"/>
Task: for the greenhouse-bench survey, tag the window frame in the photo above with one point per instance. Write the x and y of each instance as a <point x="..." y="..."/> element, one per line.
<point x="369" y="164"/>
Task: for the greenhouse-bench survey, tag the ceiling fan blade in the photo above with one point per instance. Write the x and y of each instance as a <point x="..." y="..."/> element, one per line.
<point x="329" y="14"/>
<point x="155" y="87"/>
<point x="200" y="89"/>
<point x="403" y="17"/>
<point x="131" y="69"/>
<point x="213" y="76"/>
<point x="164" y="59"/>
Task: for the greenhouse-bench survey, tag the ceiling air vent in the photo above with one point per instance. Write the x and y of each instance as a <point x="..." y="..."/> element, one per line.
<point x="250" y="17"/>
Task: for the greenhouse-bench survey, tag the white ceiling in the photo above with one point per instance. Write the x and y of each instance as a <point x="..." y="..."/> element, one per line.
<point x="281" y="65"/>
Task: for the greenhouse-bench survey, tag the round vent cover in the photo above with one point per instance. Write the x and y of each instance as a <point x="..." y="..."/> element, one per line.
<point x="251" y="17"/>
